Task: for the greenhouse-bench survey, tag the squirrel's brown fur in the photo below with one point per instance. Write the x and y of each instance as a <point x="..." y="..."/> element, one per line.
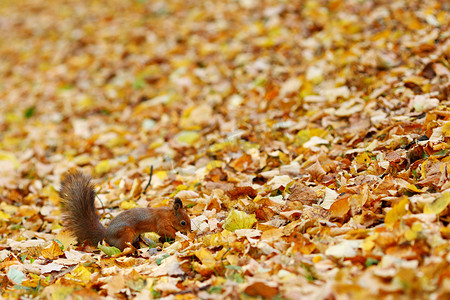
<point x="79" y="215"/>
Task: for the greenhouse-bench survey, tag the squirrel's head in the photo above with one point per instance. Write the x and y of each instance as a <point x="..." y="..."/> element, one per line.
<point x="182" y="220"/>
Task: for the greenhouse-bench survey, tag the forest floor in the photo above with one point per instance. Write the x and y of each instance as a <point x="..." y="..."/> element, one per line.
<point x="309" y="141"/>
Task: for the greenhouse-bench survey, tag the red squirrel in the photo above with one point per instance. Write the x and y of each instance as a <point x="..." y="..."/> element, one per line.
<point x="79" y="215"/>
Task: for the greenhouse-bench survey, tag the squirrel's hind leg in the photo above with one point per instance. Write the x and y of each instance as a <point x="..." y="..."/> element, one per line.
<point x="122" y="237"/>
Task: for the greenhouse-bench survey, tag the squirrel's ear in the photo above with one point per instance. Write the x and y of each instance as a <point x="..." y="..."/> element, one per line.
<point x="177" y="204"/>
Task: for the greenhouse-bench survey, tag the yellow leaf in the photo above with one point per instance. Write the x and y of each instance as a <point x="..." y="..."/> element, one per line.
<point x="125" y="261"/>
<point x="446" y="129"/>
<point x="305" y="135"/>
<point x="413" y="188"/>
<point x="369" y="243"/>
<point x="66" y="238"/>
<point x="53" y="251"/>
<point x="58" y="291"/>
<point x="161" y="174"/>
<point x="221" y="146"/>
<point x="82" y="159"/>
<point x="438" y="205"/>
<point x="152" y="236"/>
<point x="363" y="158"/>
<point x="9" y="209"/>
<point x="417" y="226"/>
<point x="4" y="216"/>
<point x="224" y="239"/>
<point x="188" y="137"/>
<point x="181" y="187"/>
<point x="412" y="233"/>
<point x="128" y="204"/>
<point x="157" y="143"/>
<point x="118" y="141"/>
<point x="34" y="281"/>
<point x="206" y="257"/>
<point x="51" y="193"/>
<point x="103" y="167"/>
<point x="239" y="220"/>
<point x="396" y="213"/>
<point x="11" y="117"/>
<point x="213" y="164"/>
<point x="80" y="274"/>
<point x="86" y="103"/>
<point x="8" y="156"/>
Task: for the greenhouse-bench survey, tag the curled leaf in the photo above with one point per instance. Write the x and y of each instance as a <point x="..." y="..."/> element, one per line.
<point x="110" y="251"/>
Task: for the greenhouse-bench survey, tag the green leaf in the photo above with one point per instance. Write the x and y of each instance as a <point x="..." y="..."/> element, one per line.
<point x="371" y="261"/>
<point x="110" y="251"/>
<point x="236" y="268"/>
<point x="237" y="278"/>
<point x="60" y="244"/>
<point x="138" y="83"/>
<point x="215" y="289"/>
<point x="159" y="260"/>
<point x="190" y="205"/>
<point x="29" y="112"/>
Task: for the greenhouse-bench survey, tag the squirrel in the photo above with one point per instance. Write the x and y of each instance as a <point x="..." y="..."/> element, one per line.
<point x="79" y="215"/>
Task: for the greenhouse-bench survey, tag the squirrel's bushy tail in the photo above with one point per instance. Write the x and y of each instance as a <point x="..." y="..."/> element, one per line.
<point x="79" y="214"/>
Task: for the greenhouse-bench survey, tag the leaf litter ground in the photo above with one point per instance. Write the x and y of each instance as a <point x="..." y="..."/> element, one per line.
<point x="308" y="139"/>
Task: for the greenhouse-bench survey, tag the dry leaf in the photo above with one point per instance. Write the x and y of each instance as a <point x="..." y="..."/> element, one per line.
<point x="239" y="220"/>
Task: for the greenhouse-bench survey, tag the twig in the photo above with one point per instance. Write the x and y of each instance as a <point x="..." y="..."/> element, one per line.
<point x="225" y="253"/>
<point x="148" y="183"/>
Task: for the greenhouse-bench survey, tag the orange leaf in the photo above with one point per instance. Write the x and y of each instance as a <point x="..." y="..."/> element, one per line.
<point x="339" y="208"/>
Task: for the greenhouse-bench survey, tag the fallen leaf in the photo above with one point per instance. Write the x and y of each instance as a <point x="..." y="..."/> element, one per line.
<point x="264" y="289"/>
<point x="15" y="275"/>
<point x="53" y="251"/>
<point x="239" y="220"/>
<point x="398" y="211"/>
<point x="439" y="205"/>
<point x="344" y="249"/>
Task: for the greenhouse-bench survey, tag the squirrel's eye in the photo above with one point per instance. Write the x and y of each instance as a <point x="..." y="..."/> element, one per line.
<point x="183" y="222"/>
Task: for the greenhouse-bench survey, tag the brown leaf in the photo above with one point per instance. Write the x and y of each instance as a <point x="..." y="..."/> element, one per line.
<point x="244" y="191"/>
<point x="216" y="175"/>
<point x="214" y="204"/>
<point x="316" y="171"/>
<point x="265" y="289"/>
<point x="225" y="186"/>
<point x="303" y="193"/>
<point x="264" y="214"/>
